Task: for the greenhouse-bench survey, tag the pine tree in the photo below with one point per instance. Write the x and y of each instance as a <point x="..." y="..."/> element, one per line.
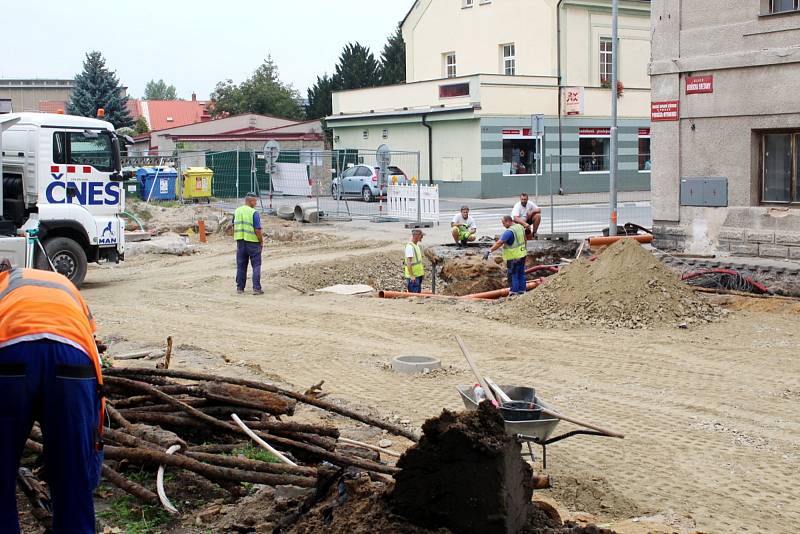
<point x="263" y="93"/>
<point x="357" y="68"/>
<point x="141" y="127"/>
<point x="159" y="90"/>
<point x="98" y="87"/>
<point x="320" y="103"/>
<point x="393" y="60"/>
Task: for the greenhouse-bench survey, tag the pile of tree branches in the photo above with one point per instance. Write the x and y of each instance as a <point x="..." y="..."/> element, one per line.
<point x="192" y="421"/>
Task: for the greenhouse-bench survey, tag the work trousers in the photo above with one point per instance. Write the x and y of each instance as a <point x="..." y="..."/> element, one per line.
<point x="248" y="252"/>
<point x="55" y="384"/>
<point x="516" y="275"/>
<point x="414" y="285"/>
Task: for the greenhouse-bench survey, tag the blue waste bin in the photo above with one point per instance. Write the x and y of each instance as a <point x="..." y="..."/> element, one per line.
<point x="161" y="180"/>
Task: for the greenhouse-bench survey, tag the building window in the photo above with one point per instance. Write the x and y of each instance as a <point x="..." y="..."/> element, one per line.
<point x="594" y="149"/>
<point x="645" y="163"/>
<point x="780" y="153"/>
<point x="606" y="51"/>
<point x="467" y="3"/>
<point x="450" y="64"/>
<point x="782" y="6"/>
<point x="454" y="90"/>
<point x="385" y="134"/>
<point x="509" y="59"/>
<point x="365" y="134"/>
<point x="521" y="152"/>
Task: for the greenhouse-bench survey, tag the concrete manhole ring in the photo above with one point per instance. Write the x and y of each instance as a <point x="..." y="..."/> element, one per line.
<point x="415" y="364"/>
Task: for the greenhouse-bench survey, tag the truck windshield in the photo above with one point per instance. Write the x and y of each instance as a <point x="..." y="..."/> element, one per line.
<point x="82" y="150"/>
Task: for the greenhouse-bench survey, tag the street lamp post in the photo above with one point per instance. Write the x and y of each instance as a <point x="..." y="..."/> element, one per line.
<point x="612" y="186"/>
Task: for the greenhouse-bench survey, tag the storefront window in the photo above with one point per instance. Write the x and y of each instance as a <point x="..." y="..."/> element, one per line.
<point x="594" y="148"/>
<point x="644" y="150"/>
<point x="779" y="173"/>
<point x="521" y="152"/>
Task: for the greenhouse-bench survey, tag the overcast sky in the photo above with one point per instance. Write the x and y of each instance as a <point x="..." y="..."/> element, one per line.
<point x="190" y="44"/>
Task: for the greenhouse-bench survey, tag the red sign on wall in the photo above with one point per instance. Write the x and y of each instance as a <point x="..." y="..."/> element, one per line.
<point x="664" y="111"/>
<point x="699" y="84"/>
<point x="518" y="131"/>
<point x="594" y="132"/>
<point x="644" y="132"/>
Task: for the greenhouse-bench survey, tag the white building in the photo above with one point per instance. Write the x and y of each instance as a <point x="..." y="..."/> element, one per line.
<point x="478" y="70"/>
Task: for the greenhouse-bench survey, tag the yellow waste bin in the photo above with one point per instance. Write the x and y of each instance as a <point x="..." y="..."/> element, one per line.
<point x="197" y="183"/>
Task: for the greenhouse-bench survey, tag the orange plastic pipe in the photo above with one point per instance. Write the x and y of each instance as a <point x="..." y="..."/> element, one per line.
<point x="499" y="293"/>
<point x="600" y="241"/>
<point x="201" y="229"/>
<point x="405" y="295"/>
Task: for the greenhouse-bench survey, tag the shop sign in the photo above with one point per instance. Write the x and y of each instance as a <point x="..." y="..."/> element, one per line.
<point x="644" y="132"/>
<point x="699" y="84"/>
<point x="668" y="110"/>
<point x="573" y="101"/>
<point x="594" y="132"/>
<point x="525" y="132"/>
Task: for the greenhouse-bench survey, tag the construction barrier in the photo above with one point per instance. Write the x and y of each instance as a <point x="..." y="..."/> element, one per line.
<point x="414" y="202"/>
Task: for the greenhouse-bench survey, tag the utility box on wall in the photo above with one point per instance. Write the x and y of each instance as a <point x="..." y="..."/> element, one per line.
<point x="704" y="192"/>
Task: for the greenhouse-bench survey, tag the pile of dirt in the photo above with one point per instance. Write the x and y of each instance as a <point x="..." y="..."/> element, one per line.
<point x="626" y="287"/>
<point x="176" y="218"/>
<point x="471" y="274"/>
<point x="381" y="270"/>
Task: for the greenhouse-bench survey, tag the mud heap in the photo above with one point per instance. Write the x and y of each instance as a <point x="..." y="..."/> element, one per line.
<point x="466" y="474"/>
<point x="381" y="270"/>
<point x="626" y="287"/>
<point x="471" y="274"/>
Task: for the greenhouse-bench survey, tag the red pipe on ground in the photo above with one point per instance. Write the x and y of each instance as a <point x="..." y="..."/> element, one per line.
<point x="601" y="241"/>
<point x="405" y="295"/>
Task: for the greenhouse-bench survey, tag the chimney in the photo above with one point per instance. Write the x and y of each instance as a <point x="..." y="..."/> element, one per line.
<point x="194" y="97"/>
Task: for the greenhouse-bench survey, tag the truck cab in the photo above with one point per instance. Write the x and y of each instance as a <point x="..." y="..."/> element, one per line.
<point x="62" y="181"/>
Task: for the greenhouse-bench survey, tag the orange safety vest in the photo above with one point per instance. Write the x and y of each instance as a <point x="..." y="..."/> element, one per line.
<point x="38" y="305"/>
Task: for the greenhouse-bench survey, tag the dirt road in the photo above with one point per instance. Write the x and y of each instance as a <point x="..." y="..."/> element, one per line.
<point x="710" y="413"/>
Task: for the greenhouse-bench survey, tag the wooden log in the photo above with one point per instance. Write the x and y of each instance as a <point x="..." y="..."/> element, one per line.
<point x="288" y="426"/>
<point x="218" y="447"/>
<point x="248" y="397"/>
<point x="155" y="458"/>
<point x="252" y="465"/>
<point x="128" y="486"/>
<point x="314" y="450"/>
<point x="164" y="408"/>
<point x="312" y="401"/>
<point x="116" y="416"/>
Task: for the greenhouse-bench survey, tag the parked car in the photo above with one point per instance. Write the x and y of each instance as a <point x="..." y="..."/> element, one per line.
<point x="362" y="181"/>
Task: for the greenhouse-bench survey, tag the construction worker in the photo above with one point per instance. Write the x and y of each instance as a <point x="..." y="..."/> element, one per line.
<point x="463" y="227"/>
<point x="528" y="214"/>
<point x="514" y="254"/>
<point x="249" y="243"/>
<point x="414" y="269"/>
<point x="49" y="372"/>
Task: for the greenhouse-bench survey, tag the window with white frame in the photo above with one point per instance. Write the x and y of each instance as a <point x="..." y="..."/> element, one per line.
<point x="782" y="6"/>
<point x="606" y="51"/>
<point x="645" y="163"/>
<point x="450" y="64"/>
<point x="521" y="152"/>
<point x="509" y="59"/>
<point x="467" y="3"/>
<point x="594" y="147"/>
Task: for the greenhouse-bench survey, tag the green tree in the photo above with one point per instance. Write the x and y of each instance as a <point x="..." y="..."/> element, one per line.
<point x="262" y="93"/>
<point x="319" y="97"/>
<point x="357" y="68"/>
<point x="159" y="90"/>
<point x="140" y="126"/>
<point x="98" y="87"/>
<point x="393" y="60"/>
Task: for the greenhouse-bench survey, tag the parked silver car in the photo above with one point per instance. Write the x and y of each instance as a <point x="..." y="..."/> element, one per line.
<point x="362" y="181"/>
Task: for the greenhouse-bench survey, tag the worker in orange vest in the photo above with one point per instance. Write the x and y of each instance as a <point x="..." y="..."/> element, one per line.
<point x="49" y="372"/>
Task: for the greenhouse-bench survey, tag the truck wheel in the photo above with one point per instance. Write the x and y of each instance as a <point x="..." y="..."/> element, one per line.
<point x="67" y="256"/>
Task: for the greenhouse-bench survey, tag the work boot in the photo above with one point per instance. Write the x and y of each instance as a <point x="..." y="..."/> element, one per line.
<point x="258" y="292"/>
<point x="463" y="242"/>
<point x="240" y="291"/>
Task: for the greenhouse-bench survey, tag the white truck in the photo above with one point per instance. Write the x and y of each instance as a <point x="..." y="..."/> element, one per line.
<point x="62" y="185"/>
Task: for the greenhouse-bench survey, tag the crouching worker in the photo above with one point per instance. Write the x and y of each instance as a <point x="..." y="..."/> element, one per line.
<point x="514" y="253"/>
<point x="49" y="372"/>
<point x="463" y="227"/>
<point x="413" y="268"/>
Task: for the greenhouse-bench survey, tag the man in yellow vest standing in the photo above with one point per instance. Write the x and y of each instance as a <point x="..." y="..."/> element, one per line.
<point x="249" y="243"/>
<point x="514" y="254"/>
<point x="413" y="268"/>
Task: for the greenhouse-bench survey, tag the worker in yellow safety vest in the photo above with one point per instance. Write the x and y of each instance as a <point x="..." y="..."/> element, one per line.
<point x="514" y="253"/>
<point x="249" y="243"/>
<point x="413" y="268"/>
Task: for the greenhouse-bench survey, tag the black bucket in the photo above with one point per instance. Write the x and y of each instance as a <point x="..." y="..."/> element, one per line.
<point x="520" y="411"/>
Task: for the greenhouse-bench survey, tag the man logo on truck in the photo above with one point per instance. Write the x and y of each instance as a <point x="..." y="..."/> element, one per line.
<point x="111" y="239"/>
<point x="83" y="193"/>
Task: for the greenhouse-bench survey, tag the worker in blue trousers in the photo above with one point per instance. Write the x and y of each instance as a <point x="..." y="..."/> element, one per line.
<point x="249" y="239"/>
<point x="50" y="373"/>
<point x="514" y="253"/>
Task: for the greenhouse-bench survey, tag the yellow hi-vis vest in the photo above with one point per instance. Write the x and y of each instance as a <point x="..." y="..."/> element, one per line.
<point x="517" y="250"/>
<point x="417" y="267"/>
<point x="243" y="224"/>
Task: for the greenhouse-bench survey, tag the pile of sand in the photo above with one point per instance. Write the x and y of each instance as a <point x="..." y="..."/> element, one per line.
<point x="625" y="287"/>
<point x="381" y="270"/>
<point x="471" y="274"/>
